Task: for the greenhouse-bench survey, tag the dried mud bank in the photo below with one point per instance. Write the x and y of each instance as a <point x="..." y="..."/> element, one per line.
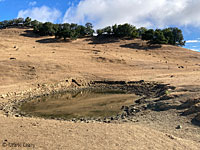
<point x="150" y="95"/>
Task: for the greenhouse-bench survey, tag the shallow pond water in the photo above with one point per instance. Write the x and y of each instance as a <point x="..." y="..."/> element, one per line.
<point x="82" y="104"/>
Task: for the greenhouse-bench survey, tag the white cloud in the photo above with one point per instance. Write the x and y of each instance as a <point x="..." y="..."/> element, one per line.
<point x="148" y="13"/>
<point x="33" y="3"/>
<point x="192" y="41"/>
<point x="197" y="50"/>
<point x="43" y="14"/>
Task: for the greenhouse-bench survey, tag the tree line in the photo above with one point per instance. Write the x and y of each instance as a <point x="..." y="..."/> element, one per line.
<point x="66" y="30"/>
<point x="171" y="36"/>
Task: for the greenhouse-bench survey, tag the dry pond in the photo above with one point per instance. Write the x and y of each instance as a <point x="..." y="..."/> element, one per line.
<point x="80" y="104"/>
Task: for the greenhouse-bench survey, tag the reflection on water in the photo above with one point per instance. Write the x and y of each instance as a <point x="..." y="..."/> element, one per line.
<point x="86" y="103"/>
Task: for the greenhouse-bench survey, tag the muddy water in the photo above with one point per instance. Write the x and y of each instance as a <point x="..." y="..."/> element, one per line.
<point x="82" y="104"/>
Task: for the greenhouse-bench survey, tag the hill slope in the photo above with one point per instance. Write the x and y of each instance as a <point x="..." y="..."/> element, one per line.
<point x="42" y="60"/>
<point x="28" y="61"/>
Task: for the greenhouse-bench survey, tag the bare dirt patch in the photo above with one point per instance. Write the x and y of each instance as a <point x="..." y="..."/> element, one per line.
<point x="42" y="68"/>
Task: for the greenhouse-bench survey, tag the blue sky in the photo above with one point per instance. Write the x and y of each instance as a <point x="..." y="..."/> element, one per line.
<point x="184" y="14"/>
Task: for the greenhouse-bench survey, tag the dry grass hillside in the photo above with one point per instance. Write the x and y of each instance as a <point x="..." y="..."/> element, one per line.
<point x="28" y="61"/>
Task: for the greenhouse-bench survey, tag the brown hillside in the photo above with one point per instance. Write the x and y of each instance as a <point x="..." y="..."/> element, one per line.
<point x="28" y="61"/>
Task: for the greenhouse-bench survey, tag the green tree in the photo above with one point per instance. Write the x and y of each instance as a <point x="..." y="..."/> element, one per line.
<point x="141" y="31"/>
<point x="115" y="30"/>
<point x="34" y="23"/>
<point x="108" y="30"/>
<point x="169" y="35"/>
<point x="81" y="31"/>
<point x="58" y="34"/>
<point x="46" y="29"/>
<point x="27" y="22"/>
<point x="174" y="36"/>
<point x="11" y="22"/>
<point x="100" y="32"/>
<point x="148" y="35"/>
<point x="178" y="37"/>
<point x="158" y="38"/>
<point x="73" y="31"/>
<point x="5" y="23"/>
<point x="65" y="31"/>
<point x="18" y="21"/>
<point x="125" y="30"/>
<point x="37" y="26"/>
<point x="89" y="29"/>
<point x="55" y="28"/>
